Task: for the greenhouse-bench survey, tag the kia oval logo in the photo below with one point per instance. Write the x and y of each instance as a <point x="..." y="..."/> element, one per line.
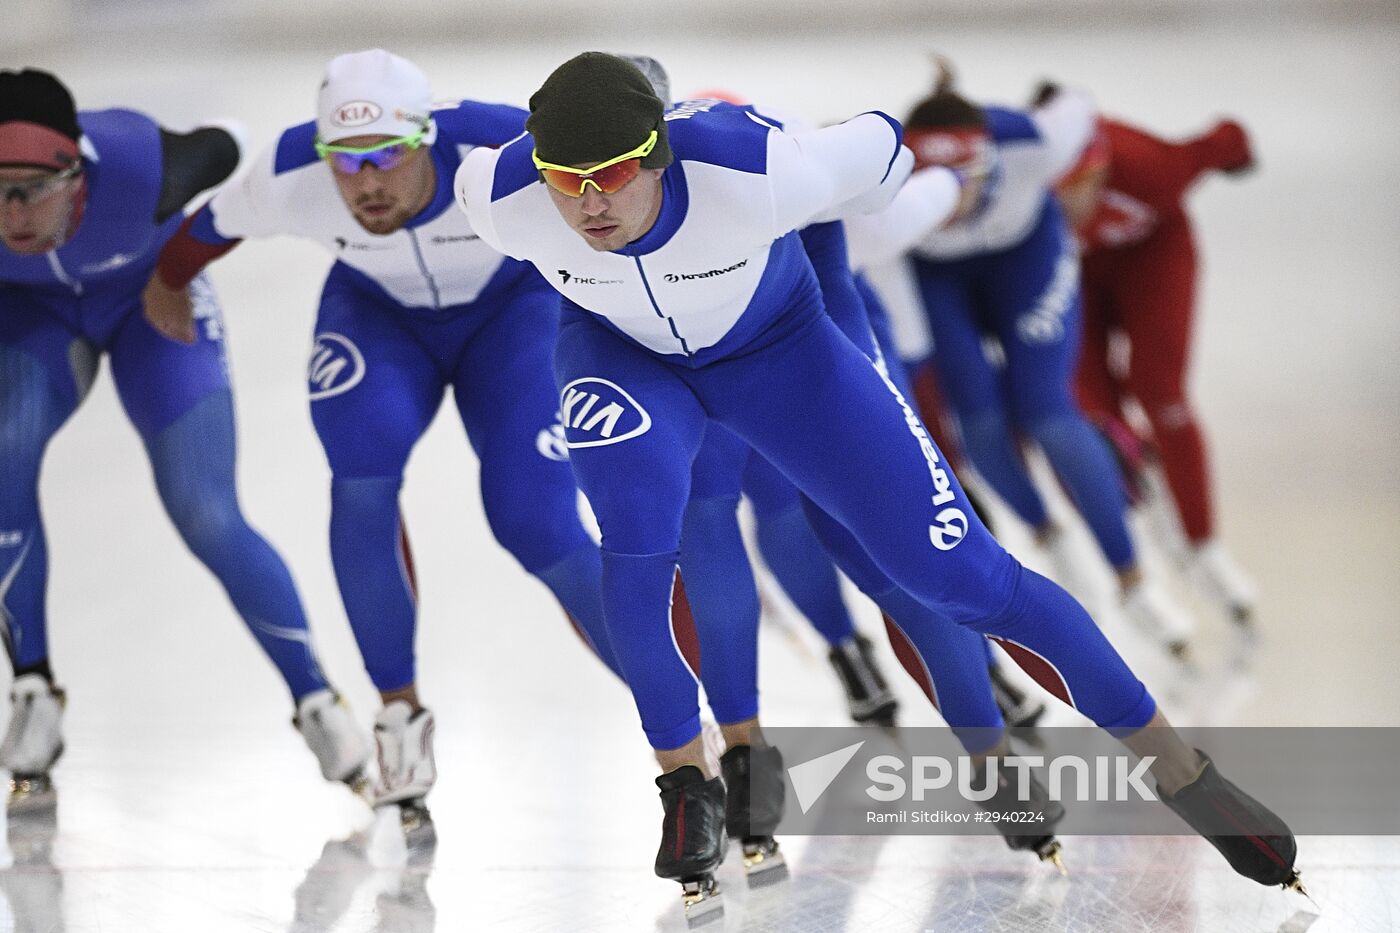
<point x="596" y="412"/>
<point x="356" y="113"/>
<point x="336" y="366"/>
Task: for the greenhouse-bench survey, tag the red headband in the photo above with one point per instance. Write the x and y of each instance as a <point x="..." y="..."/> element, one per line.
<point x="25" y="143"/>
<point x="953" y="146"/>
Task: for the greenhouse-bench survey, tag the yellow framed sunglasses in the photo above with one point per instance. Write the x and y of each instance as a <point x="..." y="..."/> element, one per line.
<point x="608" y="177"/>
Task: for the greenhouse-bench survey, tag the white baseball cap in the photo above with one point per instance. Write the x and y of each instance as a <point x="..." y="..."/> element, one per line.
<point x="374" y="93"/>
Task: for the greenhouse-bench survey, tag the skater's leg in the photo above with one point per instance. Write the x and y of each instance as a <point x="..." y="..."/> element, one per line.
<point x="373" y="392"/>
<point x="1156" y="289"/>
<point x="179" y="399"/>
<point x="45" y="371"/>
<point x="627" y="414"/>
<point x="374" y="389"/>
<point x="719" y="583"/>
<point x="1034" y="301"/>
<point x="946" y="660"/>
<point x="916" y="524"/>
<point x="976" y="395"/>
<point x="506" y="397"/>
<point x="879" y="475"/>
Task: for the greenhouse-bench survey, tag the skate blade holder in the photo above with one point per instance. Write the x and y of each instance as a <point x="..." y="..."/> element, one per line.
<point x="419" y="831"/>
<point x="1051" y="851"/>
<point x="1294" y="882"/>
<point x="702" y="901"/>
<point x="361" y="786"/>
<point x="764" y="863"/>
<point x="885" y="716"/>
<point x="30" y="792"/>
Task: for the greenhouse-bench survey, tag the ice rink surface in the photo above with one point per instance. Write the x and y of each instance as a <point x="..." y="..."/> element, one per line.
<point x="188" y="804"/>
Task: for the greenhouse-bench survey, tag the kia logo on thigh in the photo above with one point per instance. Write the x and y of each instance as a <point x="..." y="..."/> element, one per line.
<point x="950" y="529"/>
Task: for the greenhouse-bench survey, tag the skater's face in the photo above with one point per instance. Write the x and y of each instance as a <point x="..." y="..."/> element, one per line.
<point x="37" y="207"/>
<point x="611" y="221"/>
<point x="384" y="199"/>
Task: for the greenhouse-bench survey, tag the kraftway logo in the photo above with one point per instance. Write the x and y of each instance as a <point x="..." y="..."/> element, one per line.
<point x="689" y="276"/>
<point x="1069" y="777"/>
<point x="950" y="523"/>
<point x="465" y="238"/>
<point x="596" y="412"/>
<point x="584" y="280"/>
<point x="336" y="366"/>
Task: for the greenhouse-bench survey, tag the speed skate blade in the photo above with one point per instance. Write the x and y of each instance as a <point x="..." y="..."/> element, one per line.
<point x="764" y="864"/>
<point x="702" y="901"/>
<point x="30" y="793"/>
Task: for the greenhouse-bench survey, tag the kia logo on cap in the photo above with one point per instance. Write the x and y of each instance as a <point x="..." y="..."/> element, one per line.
<point x="356" y="113"/>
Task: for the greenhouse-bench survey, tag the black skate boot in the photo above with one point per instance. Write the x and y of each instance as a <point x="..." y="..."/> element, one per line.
<point x="867" y="695"/>
<point x="753" y="807"/>
<point x="1019" y="710"/>
<point x="1255" y="842"/>
<point x="692" y="839"/>
<point x="1026" y="825"/>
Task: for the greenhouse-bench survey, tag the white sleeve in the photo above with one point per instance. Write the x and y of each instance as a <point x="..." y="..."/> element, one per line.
<point x="248" y="206"/>
<point x="811" y="174"/>
<point x="894" y="283"/>
<point x="1066" y="124"/>
<point x="475" y="178"/>
<point x="924" y="204"/>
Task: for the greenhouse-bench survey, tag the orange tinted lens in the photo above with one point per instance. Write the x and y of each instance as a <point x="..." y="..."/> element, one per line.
<point x="608" y="179"/>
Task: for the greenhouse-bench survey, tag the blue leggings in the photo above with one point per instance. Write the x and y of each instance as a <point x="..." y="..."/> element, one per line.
<point x="814" y="406"/>
<point x="377" y="377"/>
<point x="178" y="398"/>
<point x="1028" y="298"/>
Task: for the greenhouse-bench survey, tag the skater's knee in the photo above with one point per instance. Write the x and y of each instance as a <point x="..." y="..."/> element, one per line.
<point x="981" y="591"/>
<point x="29" y="417"/>
<point x="369" y="450"/>
<point x="538" y="537"/>
<point x="1046" y="411"/>
<point x="22" y="442"/>
<point x="984" y="430"/>
<point x="705" y="516"/>
<point x="1157" y="389"/>
<point x="208" y="523"/>
<point x="1058" y="431"/>
<point x="1169" y="414"/>
<point x="642" y="528"/>
<point x="364" y="493"/>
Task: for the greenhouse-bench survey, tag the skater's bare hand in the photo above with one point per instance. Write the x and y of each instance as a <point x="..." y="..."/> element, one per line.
<point x="169" y="310"/>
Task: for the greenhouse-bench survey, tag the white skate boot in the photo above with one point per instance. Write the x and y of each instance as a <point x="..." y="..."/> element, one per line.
<point x="1158" y="511"/>
<point x="34" y="740"/>
<point x="1220" y="580"/>
<point x="1156" y="616"/>
<point x="407" y="770"/>
<point x="324" y="721"/>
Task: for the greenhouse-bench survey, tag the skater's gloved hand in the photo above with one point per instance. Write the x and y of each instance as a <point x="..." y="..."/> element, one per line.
<point x="1044" y="92"/>
<point x="1231" y="149"/>
<point x="169" y="310"/>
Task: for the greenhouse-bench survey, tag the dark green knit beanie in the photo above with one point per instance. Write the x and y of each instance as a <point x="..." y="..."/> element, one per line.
<point x="595" y="107"/>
